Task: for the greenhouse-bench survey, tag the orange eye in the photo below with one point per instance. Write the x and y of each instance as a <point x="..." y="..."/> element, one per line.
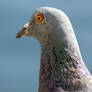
<point x="39" y="18"/>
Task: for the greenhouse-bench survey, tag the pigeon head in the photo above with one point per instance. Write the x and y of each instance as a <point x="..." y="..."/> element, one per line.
<point x="47" y="23"/>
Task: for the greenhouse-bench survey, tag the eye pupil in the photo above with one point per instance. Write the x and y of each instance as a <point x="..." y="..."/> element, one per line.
<point x="38" y="18"/>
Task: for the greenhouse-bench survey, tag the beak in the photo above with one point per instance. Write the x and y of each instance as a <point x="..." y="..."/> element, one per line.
<point x="23" y="31"/>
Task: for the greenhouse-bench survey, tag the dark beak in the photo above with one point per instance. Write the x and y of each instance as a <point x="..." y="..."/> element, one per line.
<point x="23" y="31"/>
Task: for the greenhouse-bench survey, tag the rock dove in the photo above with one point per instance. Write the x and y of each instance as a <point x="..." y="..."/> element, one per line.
<point x="61" y="67"/>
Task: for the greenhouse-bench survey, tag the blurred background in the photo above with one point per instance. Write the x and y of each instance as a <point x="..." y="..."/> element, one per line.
<point x="20" y="58"/>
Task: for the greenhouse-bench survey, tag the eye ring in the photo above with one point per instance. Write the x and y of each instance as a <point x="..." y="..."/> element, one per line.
<point x="39" y="18"/>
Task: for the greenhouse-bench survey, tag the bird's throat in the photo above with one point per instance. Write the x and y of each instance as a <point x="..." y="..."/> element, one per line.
<point x="60" y="68"/>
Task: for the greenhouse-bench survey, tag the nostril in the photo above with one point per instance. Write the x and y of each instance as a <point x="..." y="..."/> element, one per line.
<point x="24" y="29"/>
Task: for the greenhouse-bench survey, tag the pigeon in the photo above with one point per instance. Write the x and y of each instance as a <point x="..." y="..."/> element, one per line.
<point x="61" y="66"/>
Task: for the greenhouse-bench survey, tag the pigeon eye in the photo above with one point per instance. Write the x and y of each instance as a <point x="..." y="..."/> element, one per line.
<point x="39" y="18"/>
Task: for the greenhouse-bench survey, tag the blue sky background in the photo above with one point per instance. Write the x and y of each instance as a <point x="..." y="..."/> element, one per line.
<point x="20" y="59"/>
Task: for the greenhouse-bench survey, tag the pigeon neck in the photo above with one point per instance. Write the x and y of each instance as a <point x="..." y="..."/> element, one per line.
<point x="60" y="68"/>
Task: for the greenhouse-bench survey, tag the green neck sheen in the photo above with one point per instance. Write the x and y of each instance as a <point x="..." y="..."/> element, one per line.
<point x="59" y="68"/>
